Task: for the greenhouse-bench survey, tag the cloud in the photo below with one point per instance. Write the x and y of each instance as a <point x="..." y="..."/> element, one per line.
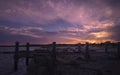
<point x="26" y="31"/>
<point x="73" y="19"/>
<point x="114" y="32"/>
<point x="39" y="11"/>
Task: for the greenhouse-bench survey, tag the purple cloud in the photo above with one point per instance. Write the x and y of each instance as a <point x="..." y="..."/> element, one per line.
<point x="61" y="20"/>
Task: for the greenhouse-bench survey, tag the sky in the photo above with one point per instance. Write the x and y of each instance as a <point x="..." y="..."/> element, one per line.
<point x="62" y="21"/>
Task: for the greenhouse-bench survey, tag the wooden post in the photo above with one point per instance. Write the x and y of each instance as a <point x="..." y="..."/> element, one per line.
<point x="79" y="47"/>
<point x="27" y="53"/>
<point x="16" y="58"/>
<point x="87" y="52"/>
<point x="54" y="57"/>
<point x="54" y="51"/>
<point x="106" y="47"/>
<point x="118" y="50"/>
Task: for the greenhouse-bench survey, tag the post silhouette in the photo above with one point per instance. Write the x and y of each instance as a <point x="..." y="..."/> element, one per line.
<point x="79" y="47"/>
<point x="106" y="47"/>
<point x="118" y="50"/>
<point x="27" y="53"/>
<point x="87" y="52"/>
<point x="16" y="59"/>
<point x="54" y="57"/>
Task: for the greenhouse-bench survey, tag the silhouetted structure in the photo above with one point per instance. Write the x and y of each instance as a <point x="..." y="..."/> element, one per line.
<point x="118" y="49"/>
<point x="87" y="52"/>
<point x="53" y="54"/>
<point x="16" y="58"/>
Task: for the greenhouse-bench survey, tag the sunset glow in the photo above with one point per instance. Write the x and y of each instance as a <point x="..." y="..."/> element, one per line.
<point x="63" y="21"/>
<point x="101" y="34"/>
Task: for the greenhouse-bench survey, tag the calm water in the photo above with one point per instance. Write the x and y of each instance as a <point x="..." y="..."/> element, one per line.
<point x="6" y="60"/>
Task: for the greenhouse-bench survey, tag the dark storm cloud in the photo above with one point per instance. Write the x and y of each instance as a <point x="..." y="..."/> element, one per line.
<point x="12" y="35"/>
<point x="12" y="24"/>
<point x="5" y="37"/>
<point x="113" y="3"/>
<point x="115" y="6"/>
<point x="114" y="32"/>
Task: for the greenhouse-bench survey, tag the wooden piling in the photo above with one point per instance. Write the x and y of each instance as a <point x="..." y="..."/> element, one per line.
<point x="54" y="51"/>
<point x="87" y="52"/>
<point x="16" y="58"/>
<point x="106" y="47"/>
<point x="79" y="47"/>
<point x="27" y="53"/>
<point x="79" y="50"/>
<point x="54" y="57"/>
<point x="118" y="50"/>
<point x="107" y="44"/>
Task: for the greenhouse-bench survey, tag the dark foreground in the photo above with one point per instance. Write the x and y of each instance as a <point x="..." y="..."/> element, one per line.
<point x="99" y="64"/>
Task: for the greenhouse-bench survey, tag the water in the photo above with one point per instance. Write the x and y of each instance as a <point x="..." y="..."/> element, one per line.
<point x="7" y="61"/>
